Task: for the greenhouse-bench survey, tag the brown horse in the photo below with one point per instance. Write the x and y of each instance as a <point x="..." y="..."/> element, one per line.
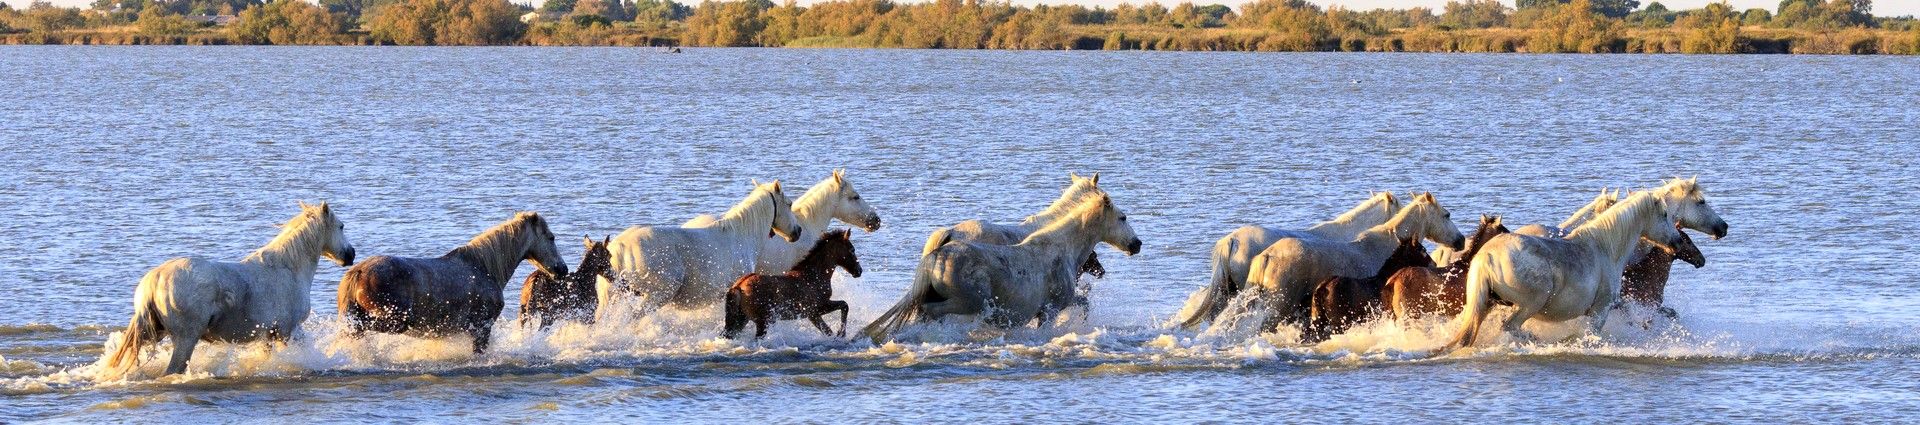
<point x="804" y="291"/>
<point x="456" y="292"/>
<point x="1645" y="280"/>
<point x="1437" y="290"/>
<point x="569" y="297"/>
<point x="1340" y="302"/>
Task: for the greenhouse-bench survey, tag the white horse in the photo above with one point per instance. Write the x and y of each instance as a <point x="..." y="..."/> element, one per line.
<point x="1011" y="285"/>
<point x="1283" y="276"/>
<point x="833" y="198"/>
<point x="1560" y="279"/>
<point x="1004" y="234"/>
<point x="1594" y="208"/>
<point x="1233" y="254"/>
<point x="691" y="267"/>
<point x="263" y="296"/>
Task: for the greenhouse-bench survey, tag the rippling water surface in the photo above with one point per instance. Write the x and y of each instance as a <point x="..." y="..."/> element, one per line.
<point x="117" y="159"/>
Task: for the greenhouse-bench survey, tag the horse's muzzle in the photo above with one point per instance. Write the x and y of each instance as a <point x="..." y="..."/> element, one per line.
<point x="854" y="270"/>
<point x="873" y="223"/>
<point x="1720" y="231"/>
<point x="1133" y="247"/>
<point x="558" y="270"/>
<point x="346" y="258"/>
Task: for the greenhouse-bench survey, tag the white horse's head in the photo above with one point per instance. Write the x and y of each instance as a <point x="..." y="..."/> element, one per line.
<point x="783" y="223"/>
<point x="538" y="239"/>
<point x="1382" y="203"/>
<point x="849" y="208"/>
<point x="1112" y="225"/>
<point x="1687" y="203"/>
<point x="333" y="233"/>
<point x="1427" y="219"/>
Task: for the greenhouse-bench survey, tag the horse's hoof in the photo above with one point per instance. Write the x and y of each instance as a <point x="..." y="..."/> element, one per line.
<point x="1671" y="315"/>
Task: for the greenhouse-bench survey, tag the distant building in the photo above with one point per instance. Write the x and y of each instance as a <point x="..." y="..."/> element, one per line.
<point x="216" y="20"/>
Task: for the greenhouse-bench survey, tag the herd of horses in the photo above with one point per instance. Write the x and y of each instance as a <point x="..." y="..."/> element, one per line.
<point x="770" y="258"/>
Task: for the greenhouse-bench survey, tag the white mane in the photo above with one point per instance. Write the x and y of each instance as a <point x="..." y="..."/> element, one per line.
<point x="299" y="238"/>
<point x="756" y="210"/>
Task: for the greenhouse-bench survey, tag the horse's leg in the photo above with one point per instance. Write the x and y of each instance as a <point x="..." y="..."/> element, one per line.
<point x="184" y="339"/>
<point x="820" y="322"/>
<point x="760" y="326"/>
<point x="1526" y="310"/>
<point x="842" y="306"/>
<point x="482" y="336"/>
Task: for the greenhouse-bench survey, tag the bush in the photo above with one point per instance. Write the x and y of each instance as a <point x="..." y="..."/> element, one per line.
<point x="288" y="22"/>
<point x="156" y="21"/>
<point x="447" y="22"/>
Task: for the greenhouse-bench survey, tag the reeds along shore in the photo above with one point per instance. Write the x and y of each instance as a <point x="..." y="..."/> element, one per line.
<point x="1539" y="26"/>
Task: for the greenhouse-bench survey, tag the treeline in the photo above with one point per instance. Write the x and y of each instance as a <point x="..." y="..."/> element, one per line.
<point x="1584" y="26"/>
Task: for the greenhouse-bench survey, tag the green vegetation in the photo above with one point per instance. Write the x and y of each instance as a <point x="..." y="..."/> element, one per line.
<point x="1541" y="26"/>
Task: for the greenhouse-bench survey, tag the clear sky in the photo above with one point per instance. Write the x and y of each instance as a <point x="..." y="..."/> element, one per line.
<point x="1880" y="7"/>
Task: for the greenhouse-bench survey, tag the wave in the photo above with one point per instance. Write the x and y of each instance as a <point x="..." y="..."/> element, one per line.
<point x="609" y="350"/>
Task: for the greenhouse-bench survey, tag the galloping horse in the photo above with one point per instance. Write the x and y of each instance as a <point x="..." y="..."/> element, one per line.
<point x="1648" y="267"/>
<point x="1233" y="255"/>
<point x="1013" y="284"/>
<point x="1560" y="279"/>
<point x="805" y="291"/>
<point x="1285" y="274"/>
<point x="1428" y="290"/>
<point x="456" y="292"/>
<point x="690" y="267"/>
<point x="1340" y="302"/>
<point x="547" y="298"/>
<point x="979" y="231"/>
<point x="263" y="296"/>
<point x="831" y="199"/>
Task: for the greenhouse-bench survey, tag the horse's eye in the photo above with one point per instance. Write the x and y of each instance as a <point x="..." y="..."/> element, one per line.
<point x="855" y="197"/>
<point x="1703" y="202"/>
<point x="1123" y="218"/>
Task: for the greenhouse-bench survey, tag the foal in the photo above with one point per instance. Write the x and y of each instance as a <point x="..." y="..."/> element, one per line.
<point x="1429" y="290"/>
<point x="1645" y="281"/>
<point x="569" y="297"/>
<point x="801" y="292"/>
<point x="1339" y="302"/>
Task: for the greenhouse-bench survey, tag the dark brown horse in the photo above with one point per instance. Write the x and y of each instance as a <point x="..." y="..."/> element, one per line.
<point x="1645" y="280"/>
<point x="456" y="292"/>
<point x="804" y="291"/>
<point x="548" y="298"/>
<point x="1338" y="303"/>
<point x="1437" y="290"/>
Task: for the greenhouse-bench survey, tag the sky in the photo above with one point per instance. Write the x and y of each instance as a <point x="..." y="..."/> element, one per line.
<point x="1880" y="7"/>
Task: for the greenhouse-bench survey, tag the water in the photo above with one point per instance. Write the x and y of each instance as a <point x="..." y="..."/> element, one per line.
<point x="119" y="158"/>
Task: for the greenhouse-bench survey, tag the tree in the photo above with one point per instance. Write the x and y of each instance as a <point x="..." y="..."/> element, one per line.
<point x="1712" y="29"/>
<point x="42" y="16"/>
<point x="352" y="9"/>
<point x="558" y="6"/>
<point x="446" y="22"/>
<point x="289" y="22"/>
<point x="1474" y="14"/>
<point x="156" y="21"/>
<point x="1756" y="16"/>
<point x="1573" y="28"/>
<point x="1609" y="8"/>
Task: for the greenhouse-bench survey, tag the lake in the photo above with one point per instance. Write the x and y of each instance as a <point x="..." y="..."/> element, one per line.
<point x="119" y="158"/>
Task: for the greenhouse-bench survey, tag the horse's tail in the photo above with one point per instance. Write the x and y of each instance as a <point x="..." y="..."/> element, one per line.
<point x="736" y="311"/>
<point x="1220" y="287"/>
<point x="144" y="328"/>
<point x="906" y="309"/>
<point x="934" y="241"/>
<point x="1478" y="301"/>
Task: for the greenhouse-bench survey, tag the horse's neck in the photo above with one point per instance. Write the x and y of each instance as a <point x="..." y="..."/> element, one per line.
<point x="292" y="250"/>
<point x="1577" y="218"/>
<point x="1380" y="241"/>
<point x="815" y="208"/>
<point x="747" y="220"/>
<point x="1070" y="240"/>
<point x="1617" y="237"/>
<point x="1358" y="218"/>
<point x="498" y="261"/>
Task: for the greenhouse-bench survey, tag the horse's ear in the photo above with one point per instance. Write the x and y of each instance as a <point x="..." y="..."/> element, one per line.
<point x="587" y="240"/>
<point x="840" y="176"/>
<point x="1095" y="179"/>
<point x="776" y="185"/>
<point x="325" y="208"/>
<point x="754" y="181"/>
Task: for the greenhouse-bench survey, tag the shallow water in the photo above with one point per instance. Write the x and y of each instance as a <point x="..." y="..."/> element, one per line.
<point x="119" y="158"/>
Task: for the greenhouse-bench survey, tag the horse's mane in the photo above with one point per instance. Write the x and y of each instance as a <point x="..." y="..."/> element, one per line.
<point x="1086" y="208"/>
<point x="829" y="187"/>
<point x="819" y="249"/>
<point x="1599" y="204"/>
<point x="1392" y="225"/>
<point x="1368" y="204"/>
<point x="1679" y="188"/>
<point x="296" y="238"/>
<point x="1637" y="204"/>
<point x="497" y="240"/>
<point x="1069" y="198"/>
<point x="750" y="210"/>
